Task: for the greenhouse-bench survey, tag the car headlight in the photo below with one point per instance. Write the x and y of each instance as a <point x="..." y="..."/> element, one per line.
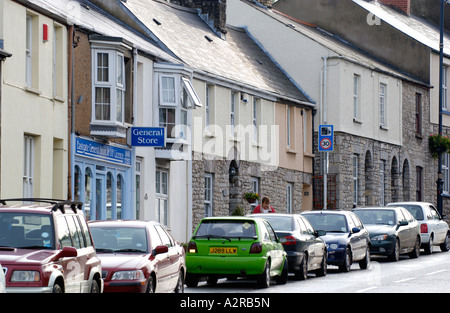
<point x="379" y="237"/>
<point x="25" y="276"/>
<point x="332" y="246"/>
<point x="128" y="275"/>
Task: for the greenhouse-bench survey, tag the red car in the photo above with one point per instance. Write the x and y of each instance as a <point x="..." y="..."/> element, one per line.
<point x="47" y="248"/>
<point x="138" y="256"/>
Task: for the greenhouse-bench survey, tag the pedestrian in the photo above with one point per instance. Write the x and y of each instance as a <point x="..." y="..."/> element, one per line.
<point x="264" y="207"/>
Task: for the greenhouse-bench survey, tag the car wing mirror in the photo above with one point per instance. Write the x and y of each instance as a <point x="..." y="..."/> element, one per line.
<point x="319" y="233"/>
<point x="160" y="249"/>
<point x="67" y="252"/>
<point x="355" y="230"/>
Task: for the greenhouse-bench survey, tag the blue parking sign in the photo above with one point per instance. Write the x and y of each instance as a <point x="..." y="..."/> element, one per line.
<point x="326" y="134"/>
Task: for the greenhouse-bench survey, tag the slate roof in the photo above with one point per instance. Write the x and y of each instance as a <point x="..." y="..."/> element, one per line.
<point x="236" y="59"/>
<point x="86" y="15"/>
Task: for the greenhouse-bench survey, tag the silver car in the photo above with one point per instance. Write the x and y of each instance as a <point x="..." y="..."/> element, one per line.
<point x="2" y="280"/>
<point x="434" y="231"/>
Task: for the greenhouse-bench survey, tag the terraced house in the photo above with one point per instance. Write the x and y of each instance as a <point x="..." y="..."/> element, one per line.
<point x="404" y="34"/>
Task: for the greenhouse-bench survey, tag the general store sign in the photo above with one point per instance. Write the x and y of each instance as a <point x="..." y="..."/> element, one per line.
<point x="148" y="136"/>
<point x="101" y="151"/>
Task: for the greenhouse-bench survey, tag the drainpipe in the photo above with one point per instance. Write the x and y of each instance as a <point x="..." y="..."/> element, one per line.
<point x="71" y="191"/>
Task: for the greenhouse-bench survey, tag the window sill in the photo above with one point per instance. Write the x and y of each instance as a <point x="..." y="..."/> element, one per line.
<point x="384" y="127"/>
<point x="357" y="120"/>
<point x="32" y="90"/>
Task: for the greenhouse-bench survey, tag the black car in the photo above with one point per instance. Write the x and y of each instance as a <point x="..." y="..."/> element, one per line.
<point x="393" y="231"/>
<point x="305" y="249"/>
<point x="346" y="237"/>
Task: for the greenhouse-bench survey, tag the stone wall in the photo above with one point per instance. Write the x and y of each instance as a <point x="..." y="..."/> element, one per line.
<point x="228" y="193"/>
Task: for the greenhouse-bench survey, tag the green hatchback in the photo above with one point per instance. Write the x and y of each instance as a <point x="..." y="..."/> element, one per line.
<point x="235" y="247"/>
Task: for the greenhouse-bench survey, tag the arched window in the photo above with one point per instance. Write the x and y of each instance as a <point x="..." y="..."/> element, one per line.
<point x="87" y="193"/>
<point x="109" y="202"/>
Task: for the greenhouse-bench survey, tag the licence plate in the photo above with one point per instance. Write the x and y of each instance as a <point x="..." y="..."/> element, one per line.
<point x="220" y="250"/>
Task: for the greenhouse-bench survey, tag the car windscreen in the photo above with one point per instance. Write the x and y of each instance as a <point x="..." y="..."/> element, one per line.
<point x="328" y="222"/>
<point x="226" y="229"/>
<point x="415" y="211"/>
<point x="26" y="230"/>
<point x="119" y="239"/>
<point x="377" y="217"/>
<point x="280" y="223"/>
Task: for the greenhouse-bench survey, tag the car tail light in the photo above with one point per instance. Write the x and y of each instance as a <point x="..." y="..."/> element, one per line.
<point x="424" y="228"/>
<point x="288" y="240"/>
<point x="192" y="247"/>
<point x="256" y="248"/>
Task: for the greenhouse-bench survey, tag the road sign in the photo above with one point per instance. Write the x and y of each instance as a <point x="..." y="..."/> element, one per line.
<point x="326" y="134"/>
<point x="148" y="136"/>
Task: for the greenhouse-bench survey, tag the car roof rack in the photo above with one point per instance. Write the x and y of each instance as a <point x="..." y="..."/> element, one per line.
<point x="57" y="203"/>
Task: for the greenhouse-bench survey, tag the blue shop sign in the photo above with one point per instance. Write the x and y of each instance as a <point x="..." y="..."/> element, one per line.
<point x="101" y="151"/>
<point x="148" y="136"/>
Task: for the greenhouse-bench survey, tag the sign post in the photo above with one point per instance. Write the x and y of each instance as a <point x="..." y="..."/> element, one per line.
<point x="326" y="140"/>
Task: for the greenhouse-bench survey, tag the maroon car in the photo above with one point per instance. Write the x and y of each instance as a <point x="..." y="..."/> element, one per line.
<point x="138" y="256"/>
<point x="47" y="247"/>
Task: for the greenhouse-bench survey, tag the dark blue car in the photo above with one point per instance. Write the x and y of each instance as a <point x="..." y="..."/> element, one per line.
<point x="346" y="237"/>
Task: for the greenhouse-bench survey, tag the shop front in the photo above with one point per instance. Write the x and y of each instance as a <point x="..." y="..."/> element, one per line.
<point x="102" y="179"/>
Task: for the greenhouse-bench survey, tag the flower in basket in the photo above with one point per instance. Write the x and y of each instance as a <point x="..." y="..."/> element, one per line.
<point x="438" y="144"/>
<point x="251" y="196"/>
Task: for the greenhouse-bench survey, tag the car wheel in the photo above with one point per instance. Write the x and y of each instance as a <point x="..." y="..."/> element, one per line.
<point x="95" y="288"/>
<point x="302" y="273"/>
<point x="322" y="271"/>
<point x="282" y="279"/>
<point x="429" y="246"/>
<point x="264" y="278"/>
<point x="414" y="254"/>
<point x="179" y="288"/>
<point x="345" y="267"/>
<point x="57" y="289"/>
<point x="395" y="256"/>
<point x="151" y="285"/>
<point x="445" y="246"/>
<point x="365" y="263"/>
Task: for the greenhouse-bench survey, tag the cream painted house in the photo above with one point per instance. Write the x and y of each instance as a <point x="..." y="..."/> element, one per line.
<point x="34" y="116"/>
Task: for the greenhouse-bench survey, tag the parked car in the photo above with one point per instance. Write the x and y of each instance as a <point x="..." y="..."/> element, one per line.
<point x="433" y="229"/>
<point x="2" y="280"/>
<point x="346" y="237"/>
<point x="393" y="231"/>
<point x="47" y="247"/>
<point x="235" y="246"/>
<point x="306" y="251"/>
<point x="138" y="256"/>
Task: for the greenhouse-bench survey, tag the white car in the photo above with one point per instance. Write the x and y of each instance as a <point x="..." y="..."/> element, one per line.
<point x="433" y="229"/>
<point x="2" y="280"/>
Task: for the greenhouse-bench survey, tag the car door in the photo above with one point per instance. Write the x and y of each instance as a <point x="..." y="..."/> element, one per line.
<point x="355" y="239"/>
<point x="173" y="255"/>
<point x="315" y="248"/>
<point x="162" y="263"/>
<point x="440" y="227"/>
<point x="405" y="233"/>
<point x="275" y="248"/>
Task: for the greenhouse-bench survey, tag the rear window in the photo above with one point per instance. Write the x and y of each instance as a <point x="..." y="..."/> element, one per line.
<point x="234" y="228"/>
<point x="280" y="223"/>
<point x="415" y="211"/>
<point x="26" y="230"/>
<point x="380" y="217"/>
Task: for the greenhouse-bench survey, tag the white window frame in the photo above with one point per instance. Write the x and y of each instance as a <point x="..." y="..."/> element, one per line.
<point x="356" y="96"/>
<point x="289" y="194"/>
<point x="288" y="126"/>
<point x="28" y="166"/>
<point x="162" y="196"/>
<point x="355" y="179"/>
<point x="383" y="103"/>
<point x="382" y="181"/>
<point x="163" y="101"/>
<point x="232" y="112"/>
<point x="255" y="188"/>
<point x="209" y="185"/>
<point x="445" y="88"/>
<point x="29" y="51"/>
<point x="116" y="83"/>
<point x="255" y="118"/>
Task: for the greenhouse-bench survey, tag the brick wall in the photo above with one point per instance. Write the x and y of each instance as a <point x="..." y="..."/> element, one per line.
<point x="402" y="5"/>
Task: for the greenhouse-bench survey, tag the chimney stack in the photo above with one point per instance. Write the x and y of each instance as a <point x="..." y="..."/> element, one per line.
<point x="400" y="5"/>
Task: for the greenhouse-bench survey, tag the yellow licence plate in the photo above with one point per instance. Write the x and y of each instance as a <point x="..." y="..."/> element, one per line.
<point x="219" y="250"/>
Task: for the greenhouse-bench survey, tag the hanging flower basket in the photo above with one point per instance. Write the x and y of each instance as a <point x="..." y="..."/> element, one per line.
<point x="438" y="144"/>
<point x="251" y="197"/>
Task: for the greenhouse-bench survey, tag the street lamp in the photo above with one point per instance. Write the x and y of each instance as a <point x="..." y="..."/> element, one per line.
<point x="440" y="182"/>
